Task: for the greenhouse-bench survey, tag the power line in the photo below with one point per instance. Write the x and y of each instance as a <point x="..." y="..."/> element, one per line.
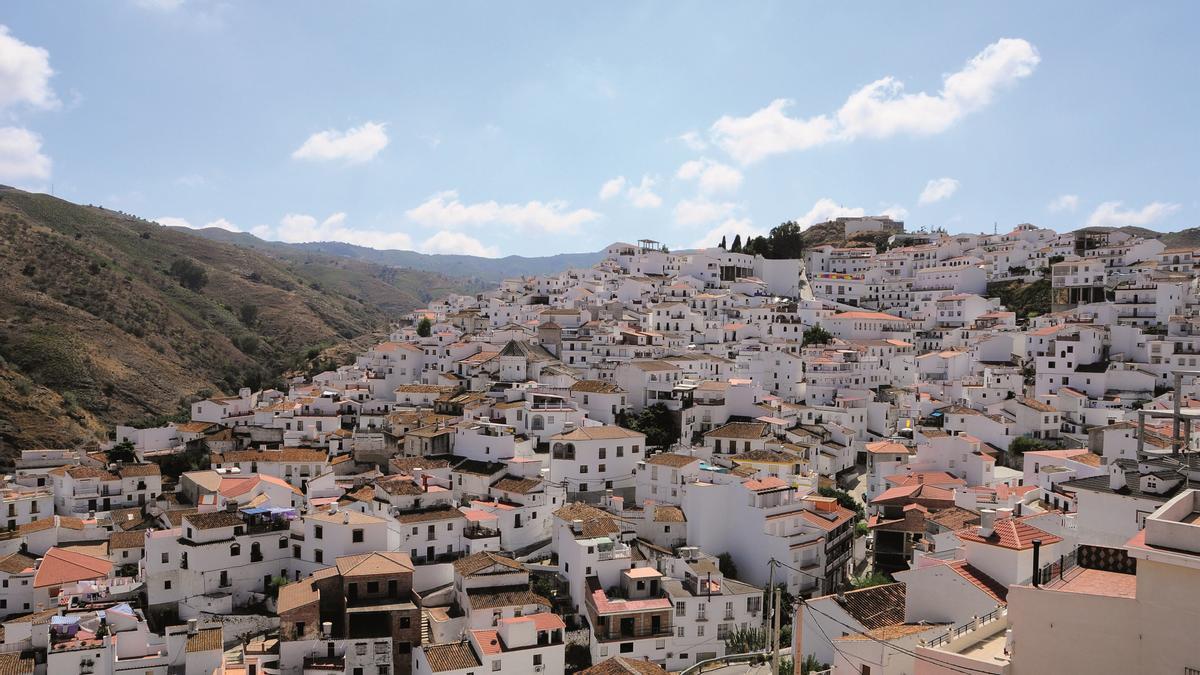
<point x="902" y="650"/>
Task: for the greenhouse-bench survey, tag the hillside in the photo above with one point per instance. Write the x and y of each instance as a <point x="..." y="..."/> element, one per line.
<point x="468" y="266"/>
<point x="97" y="326"/>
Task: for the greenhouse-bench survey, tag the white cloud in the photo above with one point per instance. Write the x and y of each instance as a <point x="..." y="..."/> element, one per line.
<point x="711" y="176"/>
<point x="24" y="74"/>
<point x="701" y="211"/>
<point x="895" y="212"/>
<point x="159" y="5"/>
<point x="729" y="228"/>
<point x="693" y="140"/>
<point x="444" y="210"/>
<point x="880" y="109"/>
<point x="1064" y="203"/>
<point x="352" y="146"/>
<point x="301" y="227"/>
<point x="769" y="131"/>
<point x="459" y="244"/>
<point x="642" y="196"/>
<point x="936" y="190"/>
<point x="1110" y="214"/>
<point x="612" y="187"/>
<point x="21" y="157"/>
<point x="826" y="209"/>
<point x="175" y="221"/>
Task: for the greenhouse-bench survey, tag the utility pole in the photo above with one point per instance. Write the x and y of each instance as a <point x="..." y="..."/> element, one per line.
<point x="775" y="634"/>
<point x="770" y="590"/>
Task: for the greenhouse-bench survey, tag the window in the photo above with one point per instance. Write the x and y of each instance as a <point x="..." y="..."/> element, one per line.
<point x="537" y="659"/>
<point x="356" y="536"/>
<point x="319" y="556"/>
<point x="680" y="609"/>
<point x="679" y="632"/>
<point x="235" y="549"/>
<point x="166" y="558"/>
<point x="372" y="586"/>
<point x="296" y="551"/>
<point x="283" y="541"/>
<point x="167" y="585"/>
<point x="495" y="665"/>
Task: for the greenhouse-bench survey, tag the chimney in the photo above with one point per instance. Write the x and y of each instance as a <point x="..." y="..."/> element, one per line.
<point x="425" y="482"/>
<point x="333" y="508"/>
<point x="193" y="626"/>
<point x="345" y="517"/>
<point x="326" y="628"/>
<point x="1116" y="477"/>
<point x="577" y="526"/>
<point x="1037" y="557"/>
<point x="987" y="522"/>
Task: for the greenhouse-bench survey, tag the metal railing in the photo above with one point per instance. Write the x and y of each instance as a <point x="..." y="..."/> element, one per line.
<point x="959" y="631"/>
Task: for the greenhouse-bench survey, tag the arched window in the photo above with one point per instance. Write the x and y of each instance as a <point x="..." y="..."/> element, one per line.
<point x="235" y="549"/>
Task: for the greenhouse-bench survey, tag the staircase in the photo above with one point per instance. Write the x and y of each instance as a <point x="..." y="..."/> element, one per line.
<point x="425" y="629"/>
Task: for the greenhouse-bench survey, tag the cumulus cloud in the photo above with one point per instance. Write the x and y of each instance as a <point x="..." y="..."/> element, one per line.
<point x="693" y="140"/>
<point x="612" y="187"/>
<point x="641" y="195"/>
<point x="894" y="211"/>
<point x="936" y="190"/>
<point x="711" y="176"/>
<point x="175" y="221"/>
<point x="1064" y="203"/>
<point x="459" y="244"/>
<point x="444" y="210"/>
<point x="352" y="146"/>
<point x="1111" y="214"/>
<point x="301" y="227"/>
<point x="825" y="209"/>
<point x="701" y="211"/>
<point x="880" y="109"/>
<point x="24" y="74"/>
<point x="729" y="229"/>
<point x="21" y="157"/>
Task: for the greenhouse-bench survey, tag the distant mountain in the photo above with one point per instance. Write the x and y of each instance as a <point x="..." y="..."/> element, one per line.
<point x="470" y="266"/>
<point x="107" y="318"/>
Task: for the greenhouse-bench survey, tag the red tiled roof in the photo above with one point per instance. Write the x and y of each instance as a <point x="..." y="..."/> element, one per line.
<point x="1010" y="533"/>
<point x="997" y="590"/>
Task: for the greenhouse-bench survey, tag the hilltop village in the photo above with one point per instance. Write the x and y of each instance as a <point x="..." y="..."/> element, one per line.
<point x="860" y="456"/>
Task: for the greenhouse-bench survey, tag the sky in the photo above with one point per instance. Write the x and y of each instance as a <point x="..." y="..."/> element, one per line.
<point x="537" y="128"/>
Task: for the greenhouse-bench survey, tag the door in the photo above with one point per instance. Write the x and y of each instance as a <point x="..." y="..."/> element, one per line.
<point x="655" y="624"/>
<point x="429" y="554"/>
<point x="393" y="589"/>
<point x="266" y="583"/>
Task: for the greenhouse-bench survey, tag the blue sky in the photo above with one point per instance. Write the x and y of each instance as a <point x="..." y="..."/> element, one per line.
<point x="538" y="128"/>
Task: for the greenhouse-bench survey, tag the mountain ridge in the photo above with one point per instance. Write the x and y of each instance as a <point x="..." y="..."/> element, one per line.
<point x="107" y="318"/>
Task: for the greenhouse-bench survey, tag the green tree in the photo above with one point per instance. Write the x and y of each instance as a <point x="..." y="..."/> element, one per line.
<point x="1023" y="444"/>
<point x="746" y="640"/>
<point x="786" y="241"/>
<point x="869" y="580"/>
<point x="816" y="335"/>
<point x="424" y="327"/>
<point x="656" y="421"/>
<point x="727" y="566"/>
<point x="810" y="664"/>
<point x="737" y="244"/>
<point x="722" y="244"/>
<point x="189" y="274"/>
<point x="248" y="314"/>
<point x="122" y="452"/>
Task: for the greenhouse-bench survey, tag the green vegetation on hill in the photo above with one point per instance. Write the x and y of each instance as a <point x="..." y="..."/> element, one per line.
<point x="108" y="319"/>
<point x="1026" y="300"/>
